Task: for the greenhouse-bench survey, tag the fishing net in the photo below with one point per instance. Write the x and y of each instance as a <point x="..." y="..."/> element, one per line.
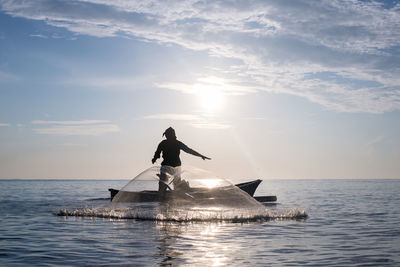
<point x="164" y="193"/>
<point x="189" y="186"/>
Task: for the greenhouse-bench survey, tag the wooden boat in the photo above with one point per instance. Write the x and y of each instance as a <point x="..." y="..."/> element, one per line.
<point x="249" y="187"/>
<point x="151" y="196"/>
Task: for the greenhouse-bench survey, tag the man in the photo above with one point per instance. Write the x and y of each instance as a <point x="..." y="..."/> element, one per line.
<point x="170" y="149"/>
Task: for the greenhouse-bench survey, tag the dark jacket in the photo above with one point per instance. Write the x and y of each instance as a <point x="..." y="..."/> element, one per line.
<point x="170" y="149"/>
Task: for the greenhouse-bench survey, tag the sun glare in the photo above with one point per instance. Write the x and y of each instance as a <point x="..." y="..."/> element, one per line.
<point x="210" y="93"/>
<point x="210" y="98"/>
<point x="210" y="183"/>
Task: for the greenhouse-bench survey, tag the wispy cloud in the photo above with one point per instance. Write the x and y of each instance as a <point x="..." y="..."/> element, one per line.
<point x="82" y="122"/>
<point x="4" y="125"/>
<point x="373" y="144"/>
<point x="224" y="86"/>
<point x="254" y="119"/>
<point x="113" y="82"/>
<point x="172" y="117"/>
<point x="7" y="77"/>
<point x="38" y="36"/>
<point x="73" y="145"/>
<point x="206" y="125"/>
<point x="196" y="121"/>
<point x="84" y="127"/>
<point x="277" y="46"/>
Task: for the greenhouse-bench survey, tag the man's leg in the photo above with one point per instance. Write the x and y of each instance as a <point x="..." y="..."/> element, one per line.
<point x="162" y="186"/>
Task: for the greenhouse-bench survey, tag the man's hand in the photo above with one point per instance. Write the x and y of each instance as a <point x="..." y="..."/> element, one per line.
<point x="153" y="160"/>
<point x="204" y="158"/>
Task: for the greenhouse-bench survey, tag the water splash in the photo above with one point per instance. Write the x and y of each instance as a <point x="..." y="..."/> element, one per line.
<point x="163" y="213"/>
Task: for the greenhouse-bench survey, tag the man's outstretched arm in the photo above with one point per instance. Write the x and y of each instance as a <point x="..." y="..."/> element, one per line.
<point x="193" y="152"/>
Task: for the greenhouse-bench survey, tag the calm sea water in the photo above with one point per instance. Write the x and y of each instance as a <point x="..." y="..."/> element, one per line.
<point x="350" y="223"/>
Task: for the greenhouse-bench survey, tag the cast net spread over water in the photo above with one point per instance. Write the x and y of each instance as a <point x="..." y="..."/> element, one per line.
<point x="175" y="186"/>
<point x="182" y="194"/>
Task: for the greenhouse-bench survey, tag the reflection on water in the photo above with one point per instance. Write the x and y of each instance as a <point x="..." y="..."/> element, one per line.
<point x="201" y="244"/>
<point x="169" y="235"/>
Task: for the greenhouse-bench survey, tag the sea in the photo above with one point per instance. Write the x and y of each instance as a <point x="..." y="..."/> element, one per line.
<point x="346" y="223"/>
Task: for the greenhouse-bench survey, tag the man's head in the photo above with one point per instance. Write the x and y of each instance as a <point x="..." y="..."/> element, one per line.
<point x="170" y="133"/>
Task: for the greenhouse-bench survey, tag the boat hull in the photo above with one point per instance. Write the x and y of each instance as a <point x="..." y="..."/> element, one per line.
<point x="151" y="196"/>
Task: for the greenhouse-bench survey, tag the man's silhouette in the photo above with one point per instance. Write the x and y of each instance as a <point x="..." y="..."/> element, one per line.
<point x="171" y="148"/>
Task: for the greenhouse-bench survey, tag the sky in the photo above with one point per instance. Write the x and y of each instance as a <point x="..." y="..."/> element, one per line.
<point x="267" y="89"/>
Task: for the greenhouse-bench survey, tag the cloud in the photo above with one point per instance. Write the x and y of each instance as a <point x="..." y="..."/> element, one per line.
<point x="225" y="86"/>
<point x="38" y="36"/>
<point x="206" y="125"/>
<point x="84" y="127"/>
<point x="172" y="117"/>
<point x="372" y="145"/>
<point x="73" y="145"/>
<point x="277" y="46"/>
<point x="82" y="122"/>
<point x="7" y="77"/>
<point x="114" y="82"/>
<point x="4" y="125"/>
<point x="196" y="121"/>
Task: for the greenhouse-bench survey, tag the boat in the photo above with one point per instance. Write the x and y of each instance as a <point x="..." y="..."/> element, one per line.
<point x="153" y="195"/>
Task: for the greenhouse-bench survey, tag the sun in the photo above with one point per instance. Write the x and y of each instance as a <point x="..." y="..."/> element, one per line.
<point x="210" y="95"/>
<point x="210" y="98"/>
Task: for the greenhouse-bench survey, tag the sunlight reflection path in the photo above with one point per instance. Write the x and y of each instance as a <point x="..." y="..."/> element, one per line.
<point x="198" y="244"/>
